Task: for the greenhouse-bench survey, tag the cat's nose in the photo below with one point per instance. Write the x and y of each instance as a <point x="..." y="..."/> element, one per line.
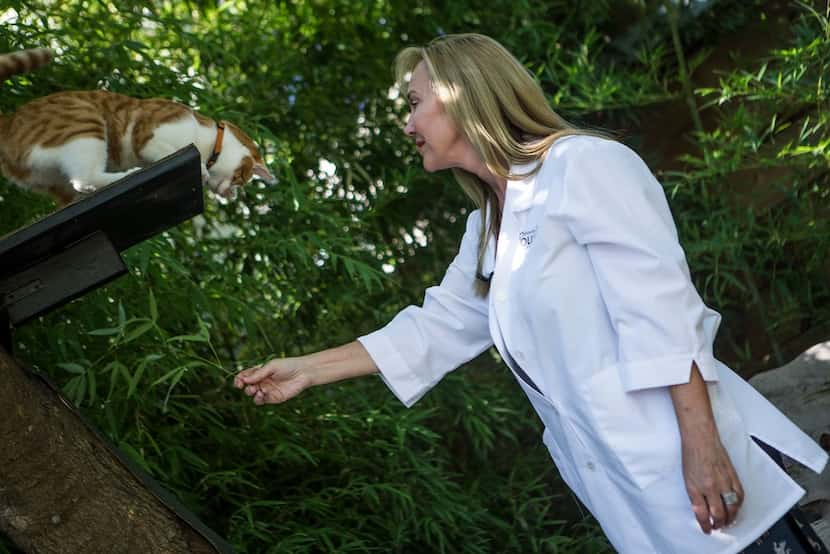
<point x="231" y="193"/>
<point x="262" y="173"/>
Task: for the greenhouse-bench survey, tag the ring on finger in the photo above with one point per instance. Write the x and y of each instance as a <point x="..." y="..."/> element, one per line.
<point x="729" y="497"/>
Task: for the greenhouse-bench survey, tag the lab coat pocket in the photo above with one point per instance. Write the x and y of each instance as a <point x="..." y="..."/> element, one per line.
<point x="638" y="430"/>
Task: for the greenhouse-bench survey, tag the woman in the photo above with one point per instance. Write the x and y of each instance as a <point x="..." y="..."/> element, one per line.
<point x="571" y="266"/>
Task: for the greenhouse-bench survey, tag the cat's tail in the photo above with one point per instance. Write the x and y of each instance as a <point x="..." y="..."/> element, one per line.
<point x="23" y="61"/>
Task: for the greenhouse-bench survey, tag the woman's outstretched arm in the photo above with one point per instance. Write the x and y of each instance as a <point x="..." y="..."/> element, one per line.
<point x="284" y="378"/>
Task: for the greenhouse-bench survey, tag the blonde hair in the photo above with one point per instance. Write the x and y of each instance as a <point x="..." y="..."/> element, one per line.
<point x="497" y="106"/>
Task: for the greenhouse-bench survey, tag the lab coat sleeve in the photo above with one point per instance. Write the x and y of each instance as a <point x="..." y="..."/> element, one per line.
<point x="423" y="343"/>
<point x="616" y="209"/>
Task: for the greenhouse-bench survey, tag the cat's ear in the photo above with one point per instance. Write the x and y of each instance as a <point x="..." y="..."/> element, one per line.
<point x="262" y="172"/>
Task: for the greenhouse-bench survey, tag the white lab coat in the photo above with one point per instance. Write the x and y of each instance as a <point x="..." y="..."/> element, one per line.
<point x="591" y="297"/>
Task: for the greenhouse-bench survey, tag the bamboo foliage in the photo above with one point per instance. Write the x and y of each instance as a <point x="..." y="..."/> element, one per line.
<point x="354" y="231"/>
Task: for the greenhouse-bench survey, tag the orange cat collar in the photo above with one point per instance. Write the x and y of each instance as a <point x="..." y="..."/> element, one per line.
<point x="217" y="148"/>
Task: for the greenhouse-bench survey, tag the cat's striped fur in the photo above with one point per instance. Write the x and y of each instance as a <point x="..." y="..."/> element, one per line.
<point x="76" y="142"/>
<point x="23" y="61"/>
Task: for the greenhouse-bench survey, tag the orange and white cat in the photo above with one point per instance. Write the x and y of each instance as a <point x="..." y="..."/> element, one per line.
<point x="71" y="143"/>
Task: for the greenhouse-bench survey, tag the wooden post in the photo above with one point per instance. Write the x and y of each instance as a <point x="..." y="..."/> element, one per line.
<point x="64" y="489"/>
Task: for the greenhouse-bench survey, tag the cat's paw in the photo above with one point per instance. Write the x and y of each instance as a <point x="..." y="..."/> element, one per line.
<point x="83" y="188"/>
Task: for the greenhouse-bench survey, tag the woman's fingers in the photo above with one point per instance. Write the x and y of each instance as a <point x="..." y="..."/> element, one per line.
<point x="727" y="496"/>
<point x="701" y="511"/>
<point x="239" y="379"/>
<point x="252" y="375"/>
<point x="712" y="483"/>
<point x="713" y="506"/>
<point x="249" y="381"/>
<point x="717" y="510"/>
<point x="731" y="511"/>
<point x="733" y="507"/>
<point x="273" y="382"/>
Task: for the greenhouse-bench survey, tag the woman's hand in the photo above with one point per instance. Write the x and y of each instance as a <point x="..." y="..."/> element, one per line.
<point x="707" y="469"/>
<point x="709" y="474"/>
<point x="276" y="381"/>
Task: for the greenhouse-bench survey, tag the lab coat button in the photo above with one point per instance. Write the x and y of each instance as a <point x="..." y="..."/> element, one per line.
<point x="520" y="356"/>
<point x="501" y="296"/>
<point x="590" y="466"/>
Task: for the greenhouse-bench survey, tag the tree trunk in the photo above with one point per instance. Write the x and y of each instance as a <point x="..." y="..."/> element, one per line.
<point x="63" y="489"/>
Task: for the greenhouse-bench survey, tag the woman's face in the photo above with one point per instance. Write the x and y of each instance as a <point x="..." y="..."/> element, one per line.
<point x="436" y="137"/>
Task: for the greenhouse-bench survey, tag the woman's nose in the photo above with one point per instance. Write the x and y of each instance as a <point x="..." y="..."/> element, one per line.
<point x="409" y="129"/>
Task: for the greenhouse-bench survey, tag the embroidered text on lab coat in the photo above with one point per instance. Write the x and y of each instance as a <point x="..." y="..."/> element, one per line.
<point x="526" y="237"/>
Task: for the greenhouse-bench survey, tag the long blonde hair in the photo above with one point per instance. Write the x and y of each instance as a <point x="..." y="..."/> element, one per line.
<point x="498" y="107"/>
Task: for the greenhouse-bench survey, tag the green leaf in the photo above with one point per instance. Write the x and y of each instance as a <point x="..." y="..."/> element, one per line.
<point x="116" y="369"/>
<point x="72" y="367"/>
<point x="174" y="376"/>
<point x="154" y="311"/>
<point x="136" y="378"/>
<point x="134" y="455"/>
<point x="202" y="336"/>
<point x="92" y="386"/>
<point x="75" y="389"/>
<point x="135" y="45"/>
<point x="104" y="331"/>
<point x="138" y="331"/>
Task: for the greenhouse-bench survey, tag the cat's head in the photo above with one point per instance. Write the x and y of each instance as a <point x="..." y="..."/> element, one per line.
<point x="238" y="162"/>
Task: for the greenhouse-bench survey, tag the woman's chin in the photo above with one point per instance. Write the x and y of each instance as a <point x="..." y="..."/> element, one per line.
<point x="430" y="166"/>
